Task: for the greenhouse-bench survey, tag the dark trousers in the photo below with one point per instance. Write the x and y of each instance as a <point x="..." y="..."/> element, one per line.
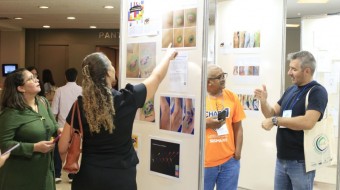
<point x="57" y="161"/>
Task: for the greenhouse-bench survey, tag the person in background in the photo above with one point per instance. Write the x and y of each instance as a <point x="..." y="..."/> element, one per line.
<point x="49" y="84"/>
<point x="108" y="156"/>
<point x="34" y="71"/>
<point x="224" y="136"/>
<point x="26" y="119"/>
<point x="63" y="99"/>
<point x="291" y="117"/>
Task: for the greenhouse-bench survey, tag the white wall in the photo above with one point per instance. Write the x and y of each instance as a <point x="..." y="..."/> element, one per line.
<point x="320" y="35"/>
<point x="259" y="147"/>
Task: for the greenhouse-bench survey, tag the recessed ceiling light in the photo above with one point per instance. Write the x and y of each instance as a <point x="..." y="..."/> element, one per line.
<point x="46" y="26"/>
<point x="292" y="25"/>
<point x="93" y="26"/>
<point x="312" y="1"/>
<point x="71" y="17"/>
<point x="109" y="7"/>
<point x="17" y="18"/>
<point x="43" y="7"/>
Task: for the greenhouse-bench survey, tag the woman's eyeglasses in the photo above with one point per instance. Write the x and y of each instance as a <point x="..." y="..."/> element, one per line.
<point x="221" y="76"/>
<point x="32" y="78"/>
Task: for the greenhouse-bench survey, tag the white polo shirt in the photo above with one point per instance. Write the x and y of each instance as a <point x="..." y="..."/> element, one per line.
<point x="63" y="100"/>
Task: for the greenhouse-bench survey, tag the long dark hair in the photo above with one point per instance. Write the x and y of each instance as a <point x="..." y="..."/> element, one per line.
<point x="47" y="76"/>
<point x="11" y="97"/>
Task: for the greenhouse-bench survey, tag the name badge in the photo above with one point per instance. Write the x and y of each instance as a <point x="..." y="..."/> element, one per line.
<point x="286" y="113"/>
<point x="223" y="130"/>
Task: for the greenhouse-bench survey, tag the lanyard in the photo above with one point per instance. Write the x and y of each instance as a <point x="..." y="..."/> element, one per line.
<point x="297" y="97"/>
<point x="211" y="106"/>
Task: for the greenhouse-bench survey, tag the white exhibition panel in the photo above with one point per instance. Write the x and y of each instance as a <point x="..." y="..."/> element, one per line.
<point x="320" y="35"/>
<point x="148" y="131"/>
<point x="266" y="17"/>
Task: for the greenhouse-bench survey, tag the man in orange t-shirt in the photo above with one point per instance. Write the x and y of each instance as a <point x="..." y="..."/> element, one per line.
<point x="224" y="135"/>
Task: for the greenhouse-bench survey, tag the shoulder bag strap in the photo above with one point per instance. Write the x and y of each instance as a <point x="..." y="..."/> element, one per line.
<point x="306" y="102"/>
<point x="72" y="118"/>
<point x="79" y="120"/>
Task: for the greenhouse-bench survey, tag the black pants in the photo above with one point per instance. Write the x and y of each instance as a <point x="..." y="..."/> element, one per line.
<point x="57" y="161"/>
<point x="98" y="178"/>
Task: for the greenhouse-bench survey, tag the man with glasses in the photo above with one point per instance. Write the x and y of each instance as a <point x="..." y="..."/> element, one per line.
<point x="224" y="133"/>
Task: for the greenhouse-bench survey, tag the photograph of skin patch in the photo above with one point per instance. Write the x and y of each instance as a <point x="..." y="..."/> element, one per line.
<point x="147" y="61"/>
<point x="178" y="37"/>
<point x="190" y="37"/>
<point x="167" y="20"/>
<point x="179" y="28"/>
<point x="167" y="38"/>
<point x="132" y="66"/>
<point x="190" y="17"/>
<point x="147" y="112"/>
<point x="179" y="19"/>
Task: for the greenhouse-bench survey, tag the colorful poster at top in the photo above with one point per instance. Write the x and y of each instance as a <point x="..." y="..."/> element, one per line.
<point x="142" y="19"/>
<point x="136" y="10"/>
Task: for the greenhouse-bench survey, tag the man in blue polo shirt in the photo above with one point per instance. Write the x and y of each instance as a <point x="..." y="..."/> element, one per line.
<point x="291" y="117"/>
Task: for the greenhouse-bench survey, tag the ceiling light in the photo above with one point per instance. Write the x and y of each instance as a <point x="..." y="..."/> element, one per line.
<point x="46" y="26"/>
<point x="93" y="26"/>
<point x="17" y="18"/>
<point x="71" y="17"/>
<point x="292" y="25"/>
<point x="312" y="1"/>
<point x="109" y="7"/>
<point x="43" y="7"/>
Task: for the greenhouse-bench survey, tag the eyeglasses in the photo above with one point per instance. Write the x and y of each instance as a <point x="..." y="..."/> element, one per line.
<point x="220" y="77"/>
<point x="32" y="78"/>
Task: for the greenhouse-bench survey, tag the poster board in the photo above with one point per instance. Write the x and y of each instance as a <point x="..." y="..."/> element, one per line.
<point x="142" y="24"/>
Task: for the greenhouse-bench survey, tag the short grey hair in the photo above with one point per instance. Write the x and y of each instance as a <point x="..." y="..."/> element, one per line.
<point x="306" y="59"/>
<point x="211" y="68"/>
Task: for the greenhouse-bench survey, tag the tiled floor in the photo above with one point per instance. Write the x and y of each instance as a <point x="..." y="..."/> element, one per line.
<point x="65" y="185"/>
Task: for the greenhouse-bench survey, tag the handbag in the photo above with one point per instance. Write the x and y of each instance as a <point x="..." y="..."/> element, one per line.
<point x="317" y="143"/>
<point x="74" y="149"/>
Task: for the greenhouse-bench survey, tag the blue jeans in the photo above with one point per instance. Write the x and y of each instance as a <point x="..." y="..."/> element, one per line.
<point x="291" y="174"/>
<point x="225" y="176"/>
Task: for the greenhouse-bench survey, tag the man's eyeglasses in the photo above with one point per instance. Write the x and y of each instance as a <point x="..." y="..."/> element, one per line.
<point x="220" y="77"/>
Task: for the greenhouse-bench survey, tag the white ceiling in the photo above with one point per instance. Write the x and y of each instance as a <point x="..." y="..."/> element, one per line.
<point x="87" y="13"/>
<point x="91" y="12"/>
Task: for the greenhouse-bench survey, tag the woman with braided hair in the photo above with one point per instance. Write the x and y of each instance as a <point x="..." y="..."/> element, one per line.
<point x="108" y="158"/>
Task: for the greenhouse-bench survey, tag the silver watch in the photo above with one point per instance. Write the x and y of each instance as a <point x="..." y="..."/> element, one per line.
<point x="275" y="121"/>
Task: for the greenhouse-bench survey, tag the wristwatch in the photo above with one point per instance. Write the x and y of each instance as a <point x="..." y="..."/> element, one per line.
<point x="275" y="121"/>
